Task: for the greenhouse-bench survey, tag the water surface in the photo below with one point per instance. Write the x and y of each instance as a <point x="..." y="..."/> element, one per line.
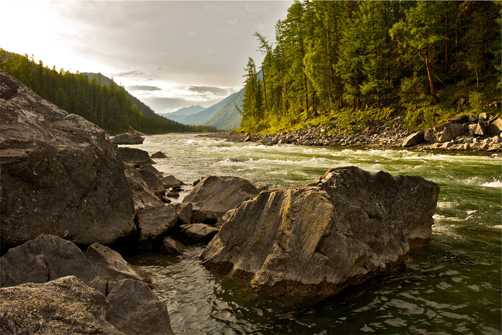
<point x="452" y="287"/>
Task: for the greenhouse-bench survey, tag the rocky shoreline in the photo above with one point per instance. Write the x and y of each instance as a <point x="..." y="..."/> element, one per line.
<point x="480" y="133"/>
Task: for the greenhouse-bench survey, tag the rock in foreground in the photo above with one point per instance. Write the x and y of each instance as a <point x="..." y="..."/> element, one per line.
<point x="60" y="174"/>
<point x="317" y="239"/>
<point x="62" y="306"/>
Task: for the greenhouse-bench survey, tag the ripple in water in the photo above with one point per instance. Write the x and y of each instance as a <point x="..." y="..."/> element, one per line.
<point x="453" y="287"/>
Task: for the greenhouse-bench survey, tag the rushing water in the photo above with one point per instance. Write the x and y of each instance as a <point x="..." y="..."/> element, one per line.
<point x="452" y="287"/>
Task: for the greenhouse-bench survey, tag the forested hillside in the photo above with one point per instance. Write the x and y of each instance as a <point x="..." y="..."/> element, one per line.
<point x="106" y="105"/>
<point x="348" y="62"/>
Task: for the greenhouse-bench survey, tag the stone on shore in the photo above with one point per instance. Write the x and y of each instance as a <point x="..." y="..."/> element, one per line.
<point x="171" y="181"/>
<point x="128" y="138"/>
<point x="133" y="156"/>
<point x="109" y="264"/>
<point x="199" y="232"/>
<point x="143" y="196"/>
<point x="44" y="259"/>
<point x="315" y="240"/>
<point x="414" y="139"/>
<point x="171" y="246"/>
<point x="220" y="194"/>
<point x="64" y="306"/>
<point x="135" y="310"/>
<point x="60" y="174"/>
<point x="154" y="224"/>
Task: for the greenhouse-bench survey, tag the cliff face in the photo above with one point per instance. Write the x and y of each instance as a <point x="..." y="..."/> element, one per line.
<point x="59" y="174"/>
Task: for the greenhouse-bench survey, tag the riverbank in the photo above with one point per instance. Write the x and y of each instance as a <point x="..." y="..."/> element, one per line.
<point x="468" y="133"/>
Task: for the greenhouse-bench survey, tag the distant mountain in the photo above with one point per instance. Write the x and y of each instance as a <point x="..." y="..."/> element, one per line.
<point x="222" y="115"/>
<point x="228" y="117"/>
<point x="107" y="81"/>
<point x="180" y="114"/>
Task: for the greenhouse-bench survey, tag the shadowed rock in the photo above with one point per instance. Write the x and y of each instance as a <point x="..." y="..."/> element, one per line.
<point x="60" y="174"/>
<point x="135" y="309"/>
<point x="44" y="259"/>
<point x="220" y="194"/>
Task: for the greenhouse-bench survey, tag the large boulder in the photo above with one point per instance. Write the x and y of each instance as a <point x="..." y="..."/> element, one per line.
<point x="44" y="259"/>
<point x="220" y="194"/>
<point x="128" y="138"/>
<point x="60" y="174"/>
<point x="63" y="306"/>
<point x="317" y="239"/>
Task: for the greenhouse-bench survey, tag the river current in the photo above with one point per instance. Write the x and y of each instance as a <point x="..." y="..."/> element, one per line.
<point x="452" y="287"/>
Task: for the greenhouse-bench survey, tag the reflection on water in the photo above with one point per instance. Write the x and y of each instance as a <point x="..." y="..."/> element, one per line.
<point x="453" y="287"/>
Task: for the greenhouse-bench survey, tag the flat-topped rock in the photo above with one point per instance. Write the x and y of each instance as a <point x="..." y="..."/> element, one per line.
<point x="128" y="138"/>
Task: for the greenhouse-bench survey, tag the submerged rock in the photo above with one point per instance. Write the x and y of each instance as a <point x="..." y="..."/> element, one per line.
<point x="317" y="239"/>
<point x="60" y="174"/>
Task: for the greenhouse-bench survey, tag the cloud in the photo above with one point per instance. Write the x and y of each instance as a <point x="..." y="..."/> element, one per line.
<point x="208" y="89"/>
<point x="143" y="88"/>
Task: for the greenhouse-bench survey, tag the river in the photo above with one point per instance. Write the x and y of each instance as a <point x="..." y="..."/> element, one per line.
<point x="452" y="287"/>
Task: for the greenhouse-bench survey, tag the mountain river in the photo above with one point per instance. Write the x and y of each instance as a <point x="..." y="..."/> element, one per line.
<point x="452" y="287"/>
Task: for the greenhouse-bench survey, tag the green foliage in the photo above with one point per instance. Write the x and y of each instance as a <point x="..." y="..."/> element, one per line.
<point x="477" y="100"/>
<point x="107" y="105"/>
<point x="339" y="61"/>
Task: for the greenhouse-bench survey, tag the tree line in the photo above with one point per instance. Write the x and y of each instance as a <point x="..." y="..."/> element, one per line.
<point x="415" y="59"/>
<point x="106" y="105"/>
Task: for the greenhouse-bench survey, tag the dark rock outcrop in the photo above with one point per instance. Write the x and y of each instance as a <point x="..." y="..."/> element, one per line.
<point x="133" y="156"/>
<point x="44" y="259"/>
<point x="128" y="138"/>
<point x="198" y="232"/>
<point x="60" y="174"/>
<point x="171" y="246"/>
<point x="107" y="289"/>
<point x="109" y="264"/>
<point x="317" y="239"/>
<point x="135" y="309"/>
<point x="143" y="196"/>
<point x="171" y="181"/>
<point x="64" y="306"/>
<point x="154" y="224"/>
<point x="220" y="194"/>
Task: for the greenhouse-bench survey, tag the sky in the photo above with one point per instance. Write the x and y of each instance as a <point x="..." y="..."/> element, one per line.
<point x="169" y="54"/>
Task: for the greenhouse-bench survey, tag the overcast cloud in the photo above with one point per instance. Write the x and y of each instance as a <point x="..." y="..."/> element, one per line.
<point x="170" y="54"/>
